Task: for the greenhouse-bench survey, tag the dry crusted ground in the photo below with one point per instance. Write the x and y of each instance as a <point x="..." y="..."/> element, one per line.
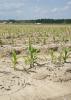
<point x="44" y="82"/>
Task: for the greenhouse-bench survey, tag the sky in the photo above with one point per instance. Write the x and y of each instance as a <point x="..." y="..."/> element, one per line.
<point x="35" y="9"/>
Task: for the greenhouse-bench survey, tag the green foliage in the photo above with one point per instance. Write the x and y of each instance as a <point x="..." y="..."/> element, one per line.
<point x="14" y="59"/>
<point x="60" y="57"/>
<point x="31" y="58"/>
<point x="1" y="42"/>
<point x="65" y="54"/>
<point x="53" y="57"/>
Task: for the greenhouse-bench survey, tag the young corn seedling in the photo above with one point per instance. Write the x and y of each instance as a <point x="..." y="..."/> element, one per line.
<point x="53" y="57"/>
<point x="65" y="54"/>
<point x="31" y="58"/>
<point x="59" y="60"/>
<point x="14" y="59"/>
<point x="1" y="42"/>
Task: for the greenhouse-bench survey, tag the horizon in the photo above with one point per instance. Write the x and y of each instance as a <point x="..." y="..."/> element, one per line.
<point x="33" y="19"/>
<point x="35" y="9"/>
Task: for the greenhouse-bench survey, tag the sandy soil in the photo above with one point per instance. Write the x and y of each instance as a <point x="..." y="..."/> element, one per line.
<point x="44" y="82"/>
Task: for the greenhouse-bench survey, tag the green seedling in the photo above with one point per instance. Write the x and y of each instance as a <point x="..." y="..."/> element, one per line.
<point x="59" y="60"/>
<point x="14" y="59"/>
<point x="1" y="42"/>
<point x="60" y="57"/>
<point x="65" y="54"/>
<point x="53" y="57"/>
<point x="31" y="58"/>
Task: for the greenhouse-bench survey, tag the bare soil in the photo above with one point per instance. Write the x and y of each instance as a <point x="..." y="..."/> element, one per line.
<point x="46" y="81"/>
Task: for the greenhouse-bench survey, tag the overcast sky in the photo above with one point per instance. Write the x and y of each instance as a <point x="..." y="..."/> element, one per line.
<point x="31" y="9"/>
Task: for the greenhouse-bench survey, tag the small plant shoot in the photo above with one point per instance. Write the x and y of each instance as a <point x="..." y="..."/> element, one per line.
<point x="14" y="59"/>
<point x="31" y="58"/>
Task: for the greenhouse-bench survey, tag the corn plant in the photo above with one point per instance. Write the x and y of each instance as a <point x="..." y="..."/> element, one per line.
<point x="53" y="57"/>
<point x="14" y="59"/>
<point x="60" y="57"/>
<point x="59" y="60"/>
<point x="65" y="54"/>
<point x="1" y="42"/>
<point x="31" y="58"/>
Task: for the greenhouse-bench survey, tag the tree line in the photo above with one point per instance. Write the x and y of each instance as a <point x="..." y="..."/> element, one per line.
<point x="39" y="21"/>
